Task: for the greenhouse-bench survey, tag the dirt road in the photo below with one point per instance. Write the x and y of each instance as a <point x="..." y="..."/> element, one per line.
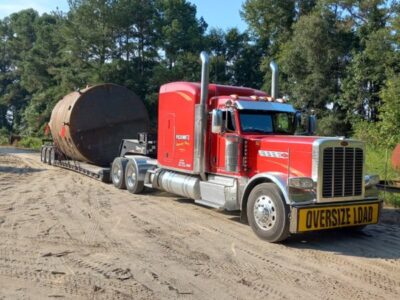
<point x="64" y="235"/>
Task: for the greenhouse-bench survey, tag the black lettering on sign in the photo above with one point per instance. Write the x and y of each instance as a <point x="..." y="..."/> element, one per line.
<point x="322" y="219"/>
<point x="370" y="212"/>
<point x="328" y="218"/>
<point x="316" y="218"/>
<point x="334" y="217"/>
<point x="365" y="214"/>
<point x="359" y="215"/>
<point x="341" y="213"/>
<point x="309" y="219"/>
<point x="348" y="216"/>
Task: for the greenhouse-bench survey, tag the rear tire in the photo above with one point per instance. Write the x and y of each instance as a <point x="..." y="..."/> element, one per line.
<point x="43" y="154"/>
<point x="267" y="213"/>
<point x="53" y="156"/>
<point x="133" y="185"/>
<point x="48" y="154"/>
<point x="118" y="172"/>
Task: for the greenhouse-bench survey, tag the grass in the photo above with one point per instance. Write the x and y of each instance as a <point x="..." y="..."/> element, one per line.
<point x="378" y="161"/>
<point x="30" y="142"/>
<point x="26" y="142"/>
<point x="3" y="140"/>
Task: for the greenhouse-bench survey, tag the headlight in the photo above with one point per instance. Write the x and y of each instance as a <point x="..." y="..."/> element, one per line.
<point x="371" y="180"/>
<point x="304" y="183"/>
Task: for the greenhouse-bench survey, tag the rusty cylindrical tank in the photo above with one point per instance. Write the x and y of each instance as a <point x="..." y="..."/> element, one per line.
<point x="89" y="125"/>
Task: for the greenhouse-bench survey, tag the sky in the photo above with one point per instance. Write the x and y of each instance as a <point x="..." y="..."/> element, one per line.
<point x="217" y="13"/>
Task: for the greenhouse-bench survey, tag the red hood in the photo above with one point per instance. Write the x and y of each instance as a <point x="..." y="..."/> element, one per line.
<point x="280" y="153"/>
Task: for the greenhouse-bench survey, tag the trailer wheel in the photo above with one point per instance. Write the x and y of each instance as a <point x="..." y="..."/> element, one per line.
<point x="48" y="154"/>
<point x="43" y="154"/>
<point x="118" y="172"/>
<point x="52" y="156"/>
<point x="133" y="185"/>
<point x="267" y="212"/>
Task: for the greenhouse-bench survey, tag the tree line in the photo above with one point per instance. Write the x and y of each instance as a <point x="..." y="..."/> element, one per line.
<point x="340" y="58"/>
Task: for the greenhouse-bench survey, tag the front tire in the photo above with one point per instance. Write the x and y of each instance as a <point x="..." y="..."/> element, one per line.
<point x="133" y="184"/>
<point x="118" y="172"/>
<point x="267" y="213"/>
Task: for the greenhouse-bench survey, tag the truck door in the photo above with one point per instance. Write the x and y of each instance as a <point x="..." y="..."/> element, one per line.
<point x="169" y="138"/>
<point x="218" y="149"/>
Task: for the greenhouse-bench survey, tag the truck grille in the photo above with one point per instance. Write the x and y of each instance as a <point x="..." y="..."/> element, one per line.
<point x="342" y="172"/>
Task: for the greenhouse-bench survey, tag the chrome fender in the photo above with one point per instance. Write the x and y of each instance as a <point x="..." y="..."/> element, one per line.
<point x="280" y="179"/>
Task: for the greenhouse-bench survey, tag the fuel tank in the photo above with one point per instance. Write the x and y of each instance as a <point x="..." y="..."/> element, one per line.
<point x="88" y="125"/>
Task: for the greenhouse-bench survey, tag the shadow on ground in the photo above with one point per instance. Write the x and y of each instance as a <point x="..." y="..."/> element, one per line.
<point x="16" y="170"/>
<point x="12" y="150"/>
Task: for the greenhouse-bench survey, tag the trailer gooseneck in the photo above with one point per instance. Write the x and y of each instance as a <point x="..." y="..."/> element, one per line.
<point x="227" y="147"/>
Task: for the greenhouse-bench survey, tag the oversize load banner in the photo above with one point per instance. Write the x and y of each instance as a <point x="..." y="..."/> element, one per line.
<point x="317" y="218"/>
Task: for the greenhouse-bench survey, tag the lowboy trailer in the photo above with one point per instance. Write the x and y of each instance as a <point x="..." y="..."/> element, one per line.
<point x="226" y="147"/>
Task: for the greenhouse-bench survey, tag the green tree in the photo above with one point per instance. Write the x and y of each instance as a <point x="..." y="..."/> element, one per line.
<point x="17" y="38"/>
<point x="313" y="60"/>
<point x="389" y="118"/>
<point x="180" y="30"/>
<point x="371" y="57"/>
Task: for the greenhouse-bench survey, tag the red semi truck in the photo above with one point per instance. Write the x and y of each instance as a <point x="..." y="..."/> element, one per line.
<point x="237" y="148"/>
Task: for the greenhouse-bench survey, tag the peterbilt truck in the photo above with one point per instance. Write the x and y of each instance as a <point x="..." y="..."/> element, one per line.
<point x="226" y="147"/>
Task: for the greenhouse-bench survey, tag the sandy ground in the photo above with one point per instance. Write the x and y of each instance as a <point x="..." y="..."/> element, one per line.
<point x="64" y="235"/>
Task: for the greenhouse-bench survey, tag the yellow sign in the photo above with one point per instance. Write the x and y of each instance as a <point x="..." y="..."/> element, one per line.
<point x="317" y="218"/>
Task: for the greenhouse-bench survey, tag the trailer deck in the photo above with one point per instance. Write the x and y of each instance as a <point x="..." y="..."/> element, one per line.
<point x="96" y="172"/>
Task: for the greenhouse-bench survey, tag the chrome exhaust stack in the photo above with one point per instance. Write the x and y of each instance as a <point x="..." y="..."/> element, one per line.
<point x="200" y="118"/>
<point x="274" y="83"/>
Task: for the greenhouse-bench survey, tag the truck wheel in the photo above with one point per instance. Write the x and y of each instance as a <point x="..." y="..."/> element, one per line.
<point x="118" y="172"/>
<point x="133" y="185"/>
<point x="267" y="212"/>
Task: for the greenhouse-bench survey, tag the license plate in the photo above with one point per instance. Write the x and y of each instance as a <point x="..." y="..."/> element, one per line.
<point x="318" y="218"/>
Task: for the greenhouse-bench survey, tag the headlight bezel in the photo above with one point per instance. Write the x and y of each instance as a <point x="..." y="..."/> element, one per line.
<point x="303" y="183"/>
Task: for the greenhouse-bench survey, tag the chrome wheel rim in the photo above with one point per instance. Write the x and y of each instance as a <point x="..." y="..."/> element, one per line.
<point x="117" y="173"/>
<point x="265" y="212"/>
<point x="130" y="176"/>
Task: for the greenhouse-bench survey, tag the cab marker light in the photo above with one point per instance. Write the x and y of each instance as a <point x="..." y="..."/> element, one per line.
<point x="254" y="97"/>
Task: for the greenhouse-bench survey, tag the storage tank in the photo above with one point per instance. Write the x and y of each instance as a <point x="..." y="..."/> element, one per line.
<point x="88" y="125"/>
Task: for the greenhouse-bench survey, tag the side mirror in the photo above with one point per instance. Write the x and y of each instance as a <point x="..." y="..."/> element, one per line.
<point x="312" y="124"/>
<point x="297" y="120"/>
<point x="216" y="121"/>
<point x="305" y="124"/>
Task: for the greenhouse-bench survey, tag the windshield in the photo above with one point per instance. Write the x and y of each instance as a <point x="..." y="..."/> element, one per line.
<point x="267" y="121"/>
